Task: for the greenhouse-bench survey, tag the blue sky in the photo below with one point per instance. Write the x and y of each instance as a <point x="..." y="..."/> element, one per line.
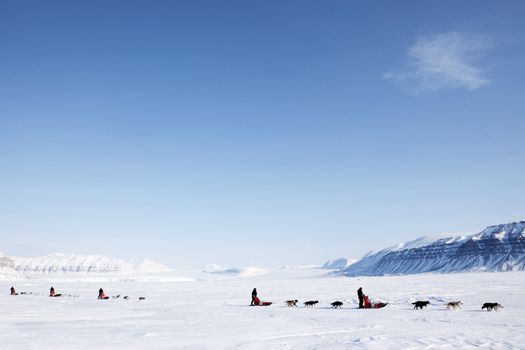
<point x="256" y="132"/>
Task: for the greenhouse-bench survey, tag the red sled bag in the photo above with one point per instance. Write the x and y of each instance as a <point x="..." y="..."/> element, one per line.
<point x="257" y="302"/>
<point x="369" y="305"/>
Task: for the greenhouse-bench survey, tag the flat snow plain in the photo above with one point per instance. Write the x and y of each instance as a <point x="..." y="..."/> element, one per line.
<point x="193" y="310"/>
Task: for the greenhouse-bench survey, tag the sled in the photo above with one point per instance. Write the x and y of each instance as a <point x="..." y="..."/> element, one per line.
<point x="378" y="305"/>
<point x="373" y="305"/>
<point x="264" y="303"/>
<point x="257" y="302"/>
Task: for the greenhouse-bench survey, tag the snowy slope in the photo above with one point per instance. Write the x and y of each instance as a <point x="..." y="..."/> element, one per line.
<point x="76" y="263"/>
<point x="7" y="271"/>
<point x="497" y="248"/>
<point x="6" y="262"/>
<point x="150" y="266"/>
<point x="338" y="264"/>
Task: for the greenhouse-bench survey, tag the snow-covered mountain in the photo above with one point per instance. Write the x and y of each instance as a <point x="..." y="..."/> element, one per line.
<point x="497" y="248"/>
<point x="7" y="271"/>
<point x="75" y="263"/>
<point x="6" y="262"/>
<point x="338" y="264"/>
<point x="150" y="266"/>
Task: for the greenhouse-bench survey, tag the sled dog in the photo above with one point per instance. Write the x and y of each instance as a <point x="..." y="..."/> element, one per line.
<point x="291" y="303"/>
<point x="337" y="304"/>
<point x="453" y="305"/>
<point x="420" y="304"/>
<point x="491" y="306"/>
<point x="311" y="303"/>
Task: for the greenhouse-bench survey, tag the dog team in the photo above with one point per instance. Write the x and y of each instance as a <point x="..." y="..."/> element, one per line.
<point x="364" y="303"/>
<point x="53" y="294"/>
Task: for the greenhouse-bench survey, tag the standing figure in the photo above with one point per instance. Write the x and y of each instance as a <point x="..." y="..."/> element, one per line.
<point x="361" y="297"/>
<point x="13" y="292"/>
<point x="254" y="296"/>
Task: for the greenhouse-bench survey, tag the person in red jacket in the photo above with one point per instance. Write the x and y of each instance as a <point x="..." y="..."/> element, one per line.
<point x="53" y="294"/>
<point x="101" y="294"/>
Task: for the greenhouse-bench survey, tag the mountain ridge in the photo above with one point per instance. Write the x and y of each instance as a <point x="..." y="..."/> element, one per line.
<point x="496" y="248"/>
<point x="79" y="263"/>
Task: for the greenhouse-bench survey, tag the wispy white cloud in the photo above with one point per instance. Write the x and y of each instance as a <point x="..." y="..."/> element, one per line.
<point x="443" y="61"/>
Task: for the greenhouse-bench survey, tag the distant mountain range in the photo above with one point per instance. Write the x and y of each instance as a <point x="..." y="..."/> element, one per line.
<point x="497" y="248"/>
<point x="76" y="263"/>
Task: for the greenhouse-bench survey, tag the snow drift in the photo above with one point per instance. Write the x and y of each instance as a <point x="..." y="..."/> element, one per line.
<point x="497" y="248"/>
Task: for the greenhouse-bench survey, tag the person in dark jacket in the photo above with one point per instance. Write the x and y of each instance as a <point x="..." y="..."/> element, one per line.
<point x="13" y="292"/>
<point x="361" y="297"/>
<point x="254" y="296"/>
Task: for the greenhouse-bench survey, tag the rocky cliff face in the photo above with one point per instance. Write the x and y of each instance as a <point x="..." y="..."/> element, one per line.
<point x="497" y="248"/>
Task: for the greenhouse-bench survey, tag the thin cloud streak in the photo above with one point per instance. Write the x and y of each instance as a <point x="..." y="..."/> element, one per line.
<point x="443" y="61"/>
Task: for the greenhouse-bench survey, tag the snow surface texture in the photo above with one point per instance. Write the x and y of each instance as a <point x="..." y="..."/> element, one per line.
<point x="497" y="248"/>
<point x="75" y="263"/>
<point x="213" y="313"/>
<point x="234" y="271"/>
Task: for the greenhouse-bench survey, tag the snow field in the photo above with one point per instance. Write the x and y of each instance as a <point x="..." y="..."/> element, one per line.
<point x="213" y="313"/>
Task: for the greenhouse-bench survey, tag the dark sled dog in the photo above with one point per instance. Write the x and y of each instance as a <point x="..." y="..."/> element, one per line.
<point x="337" y="304"/>
<point x="420" y="304"/>
<point x="291" y="303"/>
<point x="492" y="306"/>
<point x="311" y="303"/>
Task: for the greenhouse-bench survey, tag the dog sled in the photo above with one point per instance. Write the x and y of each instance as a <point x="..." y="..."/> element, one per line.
<point x="258" y="302"/>
<point x="367" y="304"/>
